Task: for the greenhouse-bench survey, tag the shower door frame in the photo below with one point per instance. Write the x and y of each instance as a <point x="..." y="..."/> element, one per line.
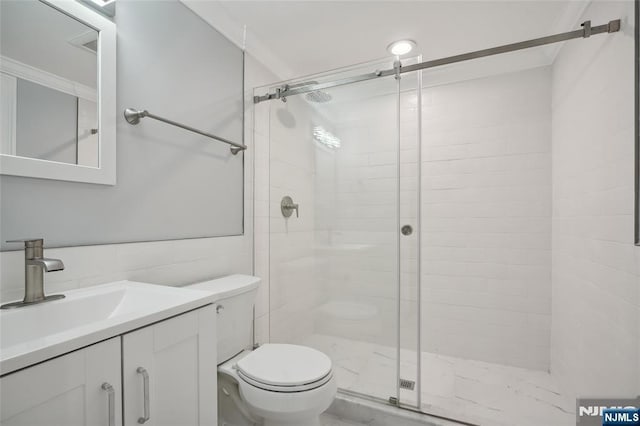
<point x="585" y="32"/>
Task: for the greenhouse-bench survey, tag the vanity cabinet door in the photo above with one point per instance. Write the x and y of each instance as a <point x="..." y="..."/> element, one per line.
<point x="169" y="372"/>
<point x="66" y="391"/>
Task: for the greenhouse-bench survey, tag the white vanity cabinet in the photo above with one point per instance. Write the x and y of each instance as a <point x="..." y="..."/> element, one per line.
<point x="169" y="371"/>
<point x="67" y="390"/>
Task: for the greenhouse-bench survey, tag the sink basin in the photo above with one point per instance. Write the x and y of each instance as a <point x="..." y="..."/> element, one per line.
<point x="34" y="333"/>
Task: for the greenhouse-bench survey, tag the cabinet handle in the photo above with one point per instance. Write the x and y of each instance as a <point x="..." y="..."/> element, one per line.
<point x="112" y="402"/>
<point x="145" y="381"/>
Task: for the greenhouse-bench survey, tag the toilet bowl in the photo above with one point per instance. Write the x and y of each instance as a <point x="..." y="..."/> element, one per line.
<point x="274" y="384"/>
<point x="281" y="384"/>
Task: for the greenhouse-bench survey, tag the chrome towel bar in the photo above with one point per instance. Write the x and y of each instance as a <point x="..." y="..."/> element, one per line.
<point x="133" y="116"/>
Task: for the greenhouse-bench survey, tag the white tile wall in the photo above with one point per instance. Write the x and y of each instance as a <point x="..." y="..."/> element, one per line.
<point x="285" y="247"/>
<point x="357" y="216"/>
<point x="595" y="349"/>
<point x="486" y="218"/>
<point x="173" y="263"/>
<point x="257" y="121"/>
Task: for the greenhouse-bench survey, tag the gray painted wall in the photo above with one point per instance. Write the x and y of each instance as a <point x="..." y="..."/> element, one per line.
<point x="172" y="184"/>
<point x="58" y="140"/>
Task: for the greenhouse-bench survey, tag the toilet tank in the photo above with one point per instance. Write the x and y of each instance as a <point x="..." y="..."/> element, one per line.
<point x="235" y="298"/>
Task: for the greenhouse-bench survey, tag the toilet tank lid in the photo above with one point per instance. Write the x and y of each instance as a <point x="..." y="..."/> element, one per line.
<point x="228" y="286"/>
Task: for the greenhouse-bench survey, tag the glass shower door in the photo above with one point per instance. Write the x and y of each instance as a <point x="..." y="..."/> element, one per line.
<point x="335" y="261"/>
<point x="409" y="135"/>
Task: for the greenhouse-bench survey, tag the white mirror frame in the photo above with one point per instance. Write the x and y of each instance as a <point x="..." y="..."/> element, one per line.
<point x="105" y="174"/>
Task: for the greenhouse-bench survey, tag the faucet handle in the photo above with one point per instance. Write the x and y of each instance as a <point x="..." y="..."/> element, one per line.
<point x="29" y="242"/>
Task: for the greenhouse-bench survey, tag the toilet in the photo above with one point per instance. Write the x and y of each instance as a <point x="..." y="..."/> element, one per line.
<point x="273" y="384"/>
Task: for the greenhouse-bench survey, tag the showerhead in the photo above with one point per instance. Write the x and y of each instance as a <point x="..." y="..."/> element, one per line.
<point x="318" y="96"/>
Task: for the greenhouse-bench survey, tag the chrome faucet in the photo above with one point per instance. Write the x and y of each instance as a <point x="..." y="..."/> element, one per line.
<point x="35" y="265"/>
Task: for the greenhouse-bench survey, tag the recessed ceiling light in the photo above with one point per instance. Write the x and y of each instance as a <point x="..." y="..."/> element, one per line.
<point x="401" y="47"/>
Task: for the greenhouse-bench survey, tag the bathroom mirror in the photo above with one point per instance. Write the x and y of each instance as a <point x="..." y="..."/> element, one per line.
<point x="57" y="91"/>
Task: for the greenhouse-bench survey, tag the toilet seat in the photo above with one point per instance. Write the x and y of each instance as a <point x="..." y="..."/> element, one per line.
<point x="285" y="368"/>
<point x="294" y="388"/>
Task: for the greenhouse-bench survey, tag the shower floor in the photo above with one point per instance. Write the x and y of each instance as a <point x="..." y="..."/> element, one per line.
<point x="477" y="392"/>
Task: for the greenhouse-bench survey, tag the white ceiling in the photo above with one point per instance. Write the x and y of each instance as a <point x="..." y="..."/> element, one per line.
<point x="296" y="38"/>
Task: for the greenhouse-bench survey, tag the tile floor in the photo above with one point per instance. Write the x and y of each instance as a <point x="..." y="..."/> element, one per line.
<point x="473" y="391"/>
<point x="349" y="409"/>
<point x="331" y="420"/>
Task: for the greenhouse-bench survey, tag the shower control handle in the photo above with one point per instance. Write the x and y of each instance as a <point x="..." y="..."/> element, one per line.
<point x="287" y="206"/>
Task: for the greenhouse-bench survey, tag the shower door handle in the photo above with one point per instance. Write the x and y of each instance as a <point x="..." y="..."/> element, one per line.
<point x="406" y="230"/>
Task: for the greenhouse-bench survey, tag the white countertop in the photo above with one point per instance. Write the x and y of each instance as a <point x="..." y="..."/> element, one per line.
<point x="32" y="334"/>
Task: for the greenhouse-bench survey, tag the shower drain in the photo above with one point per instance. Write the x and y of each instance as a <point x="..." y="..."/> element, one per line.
<point x="407" y="384"/>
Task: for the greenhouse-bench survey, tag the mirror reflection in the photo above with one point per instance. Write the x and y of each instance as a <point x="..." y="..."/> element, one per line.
<point x="48" y="86"/>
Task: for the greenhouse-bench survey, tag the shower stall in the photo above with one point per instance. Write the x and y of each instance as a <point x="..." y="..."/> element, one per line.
<point x="407" y="231"/>
<point x="341" y="271"/>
